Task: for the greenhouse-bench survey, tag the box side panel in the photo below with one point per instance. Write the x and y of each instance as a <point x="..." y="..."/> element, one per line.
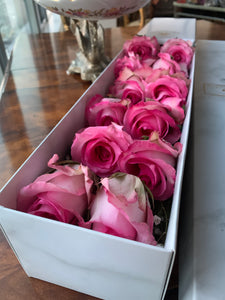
<point x="90" y="262"/>
<point x="167" y="28"/>
<point x="202" y="248"/>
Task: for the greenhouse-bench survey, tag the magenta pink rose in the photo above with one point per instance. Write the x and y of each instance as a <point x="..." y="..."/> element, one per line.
<point x="130" y="89"/>
<point x="181" y="51"/>
<point x="166" y="62"/>
<point x="121" y="208"/>
<point x="63" y="195"/>
<point x="153" y="161"/>
<point x="145" y="47"/>
<point x="100" y="147"/>
<point x="106" y="111"/>
<point x="167" y="86"/>
<point x="143" y="118"/>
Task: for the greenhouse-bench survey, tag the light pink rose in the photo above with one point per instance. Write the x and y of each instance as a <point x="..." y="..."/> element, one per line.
<point x="175" y="105"/>
<point x="167" y="86"/>
<point x="143" y="118"/>
<point x="166" y="62"/>
<point x="181" y="51"/>
<point x="100" y="147"/>
<point x="145" y="47"/>
<point x="153" y="161"/>
<point x="106" y="111"/>
<point x="121" y="208"/>
<point x="132" y="63"/>
<point x="130" y="89"/>
<point x="63" y="195"/>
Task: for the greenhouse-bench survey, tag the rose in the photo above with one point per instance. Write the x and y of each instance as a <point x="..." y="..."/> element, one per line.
<point x="106" y="111"/>
<point x="63" y="195"/>
<point x="175" y="106"/>
<point x="130" y="89"/>
<point x="153" y="161"/>
<point x="141" y="119"/>
<point x="181" y="51"/>
<point x="145" y="47"/>
<point x="132" y="63"/>
<point x="100" y="147"/>
<point x="166" y="86"/>
<point x="165" y="62"/>
<point x="121" y="208"/>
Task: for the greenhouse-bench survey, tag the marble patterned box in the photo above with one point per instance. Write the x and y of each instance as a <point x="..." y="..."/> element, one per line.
<point x="90" y="262"/>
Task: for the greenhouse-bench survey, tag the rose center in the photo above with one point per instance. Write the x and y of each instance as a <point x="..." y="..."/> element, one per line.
<point x="102" y="153"/>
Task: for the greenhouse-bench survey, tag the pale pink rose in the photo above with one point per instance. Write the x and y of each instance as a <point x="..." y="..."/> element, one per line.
<point x="130" y="89"/>
<point x="156" y="74"/>
<point x="175" y="105"/>
<point x="100" y="147"/>
<point x="143" y="118"/>
<point x="121" y="208"/>
<point x="166" y="62"/>
<point x="145" y="47"/>
<point x="106" y="111"/>
<point x="181" y="51"/>
<point x="132" y="63"/>
<point x="63" y="195"/>
<point x="166" y="86"/>
<point x="153" y="161"/>
<point x="136" y="75"/>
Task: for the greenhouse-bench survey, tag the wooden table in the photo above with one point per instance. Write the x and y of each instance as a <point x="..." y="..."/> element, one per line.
<point x="37" y="95"/>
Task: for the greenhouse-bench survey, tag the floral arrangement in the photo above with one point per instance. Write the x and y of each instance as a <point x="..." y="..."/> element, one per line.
<point x="120" y="175"/>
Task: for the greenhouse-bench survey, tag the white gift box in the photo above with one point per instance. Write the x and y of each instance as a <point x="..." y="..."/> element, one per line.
<point x="87" y="261"/>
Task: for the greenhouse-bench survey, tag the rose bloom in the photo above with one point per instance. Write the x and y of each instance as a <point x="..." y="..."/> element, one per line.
<point x="131" y="89"/>
<point x="153" y="161"/>
<point x="166" y="62"/>
<point x="121" y="208"/>
<point x="132" y="63"/>
<point x="143" y="118"/>
<point x="100" y="147"/>
<point x="106" y="111"/>
<point x="167" y="86"/>
<point x="63" y="195"/>
<point x="145" y="47"/>
<point x="181" y="51"/>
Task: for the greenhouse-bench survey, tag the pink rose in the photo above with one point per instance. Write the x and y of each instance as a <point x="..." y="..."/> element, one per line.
<point x="167" y="86"/>
<point x="132" y="63"/>
<point x="63" y="195"/>
<point x="153" y="161"/>
<point x="145" y="47"/>
<point x="106" y="111"/>
<point x="141" y="119"/>
<point x="121" y="208"/>
<point x="181" y="51"/>
<point x="175" y="106"/>
<point x="166" y="62"/>
<point x="100" y="147"/>
<point x="130" y="89"/>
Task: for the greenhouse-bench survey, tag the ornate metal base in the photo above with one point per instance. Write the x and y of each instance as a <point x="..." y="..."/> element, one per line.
<point x="91" y="59"/>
